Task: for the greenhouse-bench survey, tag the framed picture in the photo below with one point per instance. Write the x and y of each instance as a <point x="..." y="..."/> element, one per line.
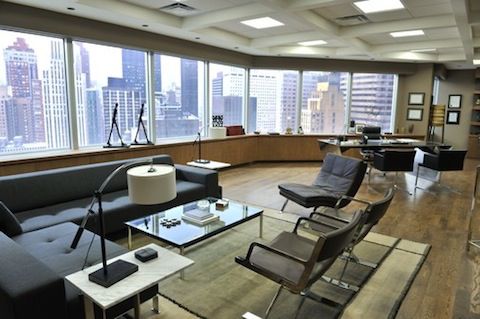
<point x="359" y="128"/>
<point x="416" y="98"/>
<point x="454" y="101"/>
<point x="453" y="117"/>
<point x="414" y="114"/>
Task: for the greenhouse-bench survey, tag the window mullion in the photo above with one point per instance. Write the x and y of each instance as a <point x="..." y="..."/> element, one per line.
<point x="72" y="99"/>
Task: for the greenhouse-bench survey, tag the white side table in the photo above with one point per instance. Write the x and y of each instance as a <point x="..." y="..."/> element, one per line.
<point x="149" y="274"/>
<point x="210" y="165"/>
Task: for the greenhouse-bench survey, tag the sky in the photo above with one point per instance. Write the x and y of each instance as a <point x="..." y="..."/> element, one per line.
<point x="105" y="61"/>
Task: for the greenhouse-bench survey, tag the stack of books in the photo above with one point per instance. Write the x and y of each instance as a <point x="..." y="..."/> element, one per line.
<point x="199" y="217"/>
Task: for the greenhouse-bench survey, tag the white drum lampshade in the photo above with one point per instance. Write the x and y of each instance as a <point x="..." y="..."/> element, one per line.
<point x="151" y="184"/>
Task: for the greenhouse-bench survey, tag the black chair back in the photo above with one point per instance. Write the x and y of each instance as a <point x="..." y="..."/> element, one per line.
<point x="374" y="213"/>
<point x="336" y="241"/>
<point x="451" y="160"/>
<point x="372" y="132"/>
<point x="394" y="160"/>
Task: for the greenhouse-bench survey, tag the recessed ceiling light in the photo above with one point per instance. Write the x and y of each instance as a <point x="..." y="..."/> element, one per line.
<point x="262" y="23"/>
<point x="71" y="8"/>
<point x="423" y="50"/>
<point x="311" y="43"/>
<point x="372" y="6"/>
<point x="410" y="33"/>
<point x="476" y="62"/>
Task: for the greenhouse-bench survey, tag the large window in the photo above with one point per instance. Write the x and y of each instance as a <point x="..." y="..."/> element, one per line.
<point x="33" y="99"/>
<point x="273" y="100"/>
<point x="324" y="102"/>
<point x="179" y="86"/>
<point x="227" y="90"/>
<point x="109" y="81"/>
<point x="372" y="99"/>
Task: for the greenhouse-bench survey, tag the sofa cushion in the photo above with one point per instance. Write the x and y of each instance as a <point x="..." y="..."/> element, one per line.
<point x="73" y="211"/>
<point x="9" y="224"/>
<point x="21" y="192"/>
<point x="117" y="209"/>
<point x="52" y="247"/>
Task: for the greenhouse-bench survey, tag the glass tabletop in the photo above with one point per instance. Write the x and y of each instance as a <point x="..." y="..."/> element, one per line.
<point x="187" y="233"/>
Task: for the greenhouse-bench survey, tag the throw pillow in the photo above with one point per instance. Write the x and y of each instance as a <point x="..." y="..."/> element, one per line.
<point x="9" y="224"/>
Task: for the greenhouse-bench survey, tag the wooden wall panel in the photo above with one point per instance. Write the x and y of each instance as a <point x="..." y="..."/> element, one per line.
<point x="236" y="150"/>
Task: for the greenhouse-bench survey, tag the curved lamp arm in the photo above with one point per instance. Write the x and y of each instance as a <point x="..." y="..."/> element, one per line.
<point x="100" y="190"/>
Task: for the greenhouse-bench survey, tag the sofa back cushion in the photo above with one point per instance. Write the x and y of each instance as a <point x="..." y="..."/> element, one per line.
<point x="9" y="224"/>
<point x="39" y="189"/>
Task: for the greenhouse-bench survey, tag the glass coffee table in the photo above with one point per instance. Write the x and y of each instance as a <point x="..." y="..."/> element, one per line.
<point x="186" y="233"/>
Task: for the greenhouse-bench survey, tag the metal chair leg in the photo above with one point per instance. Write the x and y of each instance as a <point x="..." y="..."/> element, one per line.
<point x="416" y="177"/>
<point x="273" y="301"/>
<point x="284" y="204"/>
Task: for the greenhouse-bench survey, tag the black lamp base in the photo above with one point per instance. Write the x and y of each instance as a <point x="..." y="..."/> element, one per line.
<point x="202" y="161"/>
<point x="116" y="271"/>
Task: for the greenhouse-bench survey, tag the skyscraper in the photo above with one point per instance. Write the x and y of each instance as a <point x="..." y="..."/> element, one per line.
<point x="94" y="117"/>
<point x="85" y="64"/>
<point x="133" y="66"/>
<point x="129" y="101"/>
<point x="325" y="110"/>
<point x="287" y="111"/>
<point x="263" y="86"/>
<point x="55" y="99"/>
<point x="189" y="86"/>
<point x="22" y="77"/>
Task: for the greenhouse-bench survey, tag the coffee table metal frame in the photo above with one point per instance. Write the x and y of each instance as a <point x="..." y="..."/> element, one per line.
<point x="258" y="212"/>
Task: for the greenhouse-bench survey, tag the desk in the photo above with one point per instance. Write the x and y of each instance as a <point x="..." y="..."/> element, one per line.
<point x="375" y="144"/>
<point x="149" y="274"/>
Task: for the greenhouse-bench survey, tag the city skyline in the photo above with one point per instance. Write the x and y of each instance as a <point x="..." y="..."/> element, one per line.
<point x="34" y="110"/>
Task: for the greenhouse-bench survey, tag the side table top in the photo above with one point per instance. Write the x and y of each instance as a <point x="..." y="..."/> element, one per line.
<point x="149" y="273"/>
<point x="210" y="165"/>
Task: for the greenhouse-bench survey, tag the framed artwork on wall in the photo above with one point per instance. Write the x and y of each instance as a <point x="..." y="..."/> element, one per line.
<point x="414" y="114"/>
<point x="416" y="98"/>
<point x="454" y="101"/>
<point x="453" y="117"/>
<point x="359" y="128"/>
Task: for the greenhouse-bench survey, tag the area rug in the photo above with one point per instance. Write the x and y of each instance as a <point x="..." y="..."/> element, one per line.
<point x="217" y="287"/>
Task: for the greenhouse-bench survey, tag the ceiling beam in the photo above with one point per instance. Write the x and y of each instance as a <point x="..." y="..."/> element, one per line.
<point x="301" y="50"/>
<point x="460" y="12"/>
<point x="297" y="5"/>
<point x="124" y="9"/>
<point x="398" y="25"/>
<point x="224" y="15"/>
<point x="406" y="46"/>
<point x="287" y="38"/>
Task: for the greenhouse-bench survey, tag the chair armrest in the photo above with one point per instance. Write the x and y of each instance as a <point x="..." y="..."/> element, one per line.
<point x="330" y="216"/>
<point x="274" y="251"/>
<point x="203" y="176"/>
<point x="345" y="197"/>
<point x="28" y="287"/>
<point x="312" y="221"/>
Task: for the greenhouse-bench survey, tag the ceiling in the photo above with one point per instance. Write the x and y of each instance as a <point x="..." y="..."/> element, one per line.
<point x="451" y="27"/>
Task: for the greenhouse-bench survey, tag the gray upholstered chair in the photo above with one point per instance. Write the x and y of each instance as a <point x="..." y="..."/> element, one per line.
<point x="295" y="261"/>
<point x="339" y="175"/>
<point x="336" y="217"/>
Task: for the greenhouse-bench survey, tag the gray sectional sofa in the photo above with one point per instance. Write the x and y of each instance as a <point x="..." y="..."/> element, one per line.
<point x="38" y="222"/>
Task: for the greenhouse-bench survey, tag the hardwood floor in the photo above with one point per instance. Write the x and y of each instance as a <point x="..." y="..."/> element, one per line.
<point x="448" y="285"/>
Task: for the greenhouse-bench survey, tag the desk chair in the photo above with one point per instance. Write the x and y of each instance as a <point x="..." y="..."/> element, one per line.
<point x="444" y="160"/>
<point x="394" y="160"/>
<point x="339" y="175"/>
<point x="296" y="262"/>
